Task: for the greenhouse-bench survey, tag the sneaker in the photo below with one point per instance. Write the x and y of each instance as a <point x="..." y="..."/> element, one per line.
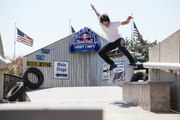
<point x="112" y="67"/>
<point x="132" y="65"/>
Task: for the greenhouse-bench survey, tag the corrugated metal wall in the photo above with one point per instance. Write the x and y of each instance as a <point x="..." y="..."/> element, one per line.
<point x="85" y="68"/>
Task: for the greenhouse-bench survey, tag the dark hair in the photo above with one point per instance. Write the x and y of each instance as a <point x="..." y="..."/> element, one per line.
<point x="104" y="17"/>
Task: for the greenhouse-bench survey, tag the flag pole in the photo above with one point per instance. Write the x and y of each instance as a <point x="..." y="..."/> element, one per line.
<point x="69" y="26"/>
<point x="132" y="27"/>
<point x="15" y="41"/>
<point x="131" y="30"/>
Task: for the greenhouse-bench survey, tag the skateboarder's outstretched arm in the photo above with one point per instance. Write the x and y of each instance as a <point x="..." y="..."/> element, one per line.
<point x="127" y="21"/>
<point x="123" y="23"/>
<point x="97" y="13"/>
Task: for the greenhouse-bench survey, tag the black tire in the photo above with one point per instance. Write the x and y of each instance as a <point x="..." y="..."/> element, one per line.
<point x="15" y="91"/>
<point x="28" y="82"/>
<point x="139" y="76"/>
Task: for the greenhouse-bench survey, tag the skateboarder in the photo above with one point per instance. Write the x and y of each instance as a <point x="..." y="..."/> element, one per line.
<point x="115" y="39"/>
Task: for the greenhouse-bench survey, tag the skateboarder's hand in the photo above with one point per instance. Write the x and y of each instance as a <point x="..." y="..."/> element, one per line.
<point x="92" y="6"/>
<point x="127" y="20"/>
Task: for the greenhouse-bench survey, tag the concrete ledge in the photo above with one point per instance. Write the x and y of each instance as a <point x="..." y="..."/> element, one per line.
<point x="151" y="96"/>
<point x="40" y="114"/>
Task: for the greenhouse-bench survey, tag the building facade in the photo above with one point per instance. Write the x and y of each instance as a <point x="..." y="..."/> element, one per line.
<point x="74" y="61"/>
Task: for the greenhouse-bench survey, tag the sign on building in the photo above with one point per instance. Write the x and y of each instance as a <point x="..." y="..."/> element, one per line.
<point x="85" y="40"/>
<point x="106" y="75"/>
<point x="120" y="67"/>
<point x="38" y="64"/>
<point x="61" y="70"/>
<point x="40" y="57"/>
<point x="45" y="51"/>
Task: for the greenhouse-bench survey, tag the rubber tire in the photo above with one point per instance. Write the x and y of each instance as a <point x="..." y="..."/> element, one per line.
<point x="15" y="91"/>
<point x="139" y="76"/>
<point x="39" y="75"/>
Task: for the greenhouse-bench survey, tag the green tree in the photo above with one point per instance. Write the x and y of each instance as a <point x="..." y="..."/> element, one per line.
<point x="16" y="67"/>
<point x="139" y="49"/>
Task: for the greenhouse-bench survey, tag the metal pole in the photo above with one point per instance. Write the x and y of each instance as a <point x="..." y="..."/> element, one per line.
<point x="69" y="26"/>
<point x="15" y="41"/>
<point x="132" y="27"/>
<point x="161" y="66"/>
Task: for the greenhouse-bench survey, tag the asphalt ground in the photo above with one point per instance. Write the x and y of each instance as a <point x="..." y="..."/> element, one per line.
<point x="106" y="99"/>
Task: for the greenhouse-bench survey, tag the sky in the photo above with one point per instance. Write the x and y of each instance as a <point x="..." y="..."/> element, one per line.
<point x="47" y="21"/>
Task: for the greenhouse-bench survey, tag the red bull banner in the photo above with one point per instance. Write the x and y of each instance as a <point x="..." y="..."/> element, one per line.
<point x="85" y="40"/>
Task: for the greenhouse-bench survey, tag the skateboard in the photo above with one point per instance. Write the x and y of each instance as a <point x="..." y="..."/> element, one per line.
<point x="120" y="74"/>
<point x="137" y="66"/>
<point x="115" y="75"/>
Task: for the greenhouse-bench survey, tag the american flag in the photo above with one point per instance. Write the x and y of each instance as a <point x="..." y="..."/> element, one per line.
<point x="23" y="38"/>
<point x="135" y="30"/>
<point x="72" y="30"/>
<point x="136" y="33"/>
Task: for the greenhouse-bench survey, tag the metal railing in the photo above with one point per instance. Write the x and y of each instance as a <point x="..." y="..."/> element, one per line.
<point x="158" y="65"/>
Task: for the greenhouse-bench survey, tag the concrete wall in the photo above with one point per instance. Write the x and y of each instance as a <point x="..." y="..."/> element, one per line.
<point x="168" y="51"/>
<point x="151" y="96"/>
<point x="1" y="84"/>
<point x="1" y="71"/>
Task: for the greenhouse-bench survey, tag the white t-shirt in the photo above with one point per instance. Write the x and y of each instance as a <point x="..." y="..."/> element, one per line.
<point x="112" y="32"/>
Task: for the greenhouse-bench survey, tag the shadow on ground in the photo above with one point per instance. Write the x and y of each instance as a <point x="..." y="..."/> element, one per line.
<point x="122" y="104"/>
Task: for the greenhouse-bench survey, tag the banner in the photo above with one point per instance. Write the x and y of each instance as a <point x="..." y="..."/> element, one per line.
<point x="85" y="40"/>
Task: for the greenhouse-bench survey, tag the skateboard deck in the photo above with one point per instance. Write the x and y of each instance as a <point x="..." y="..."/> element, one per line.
<point x="137" y="65"/>
<point x="116" y="76"/>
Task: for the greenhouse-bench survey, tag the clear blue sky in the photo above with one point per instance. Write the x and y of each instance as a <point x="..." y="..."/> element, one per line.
<point x="47" y="21"/>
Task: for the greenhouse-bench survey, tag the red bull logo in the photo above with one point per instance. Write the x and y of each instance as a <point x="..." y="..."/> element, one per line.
<point x="85" y="40"/>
